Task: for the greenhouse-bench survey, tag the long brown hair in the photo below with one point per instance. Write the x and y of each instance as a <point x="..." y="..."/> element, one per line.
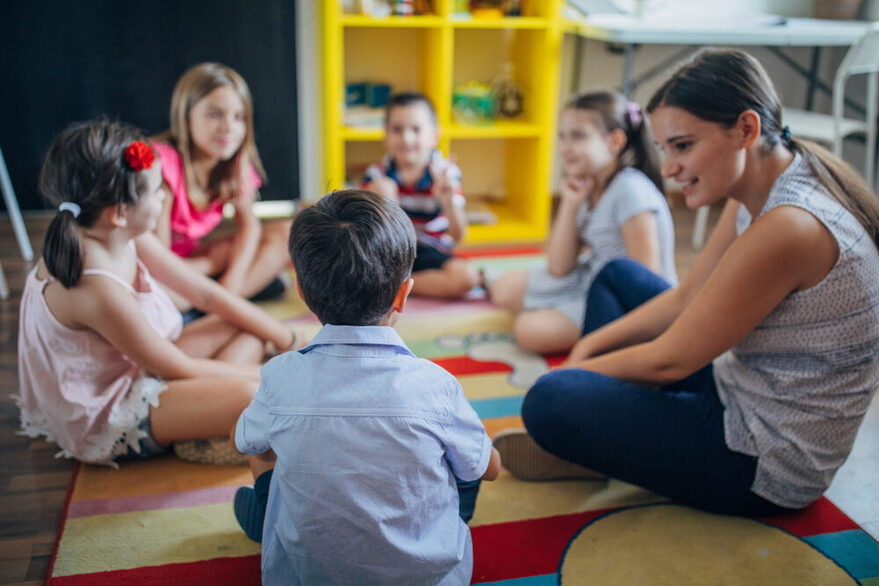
<point x="85" y="166"/>
<point x="224" y="182"/>
<point x="615" y="111"/>
<point x="718" y="85"/>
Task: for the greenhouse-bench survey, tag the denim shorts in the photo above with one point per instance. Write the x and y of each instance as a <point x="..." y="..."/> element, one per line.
<point x="149" y="447"/>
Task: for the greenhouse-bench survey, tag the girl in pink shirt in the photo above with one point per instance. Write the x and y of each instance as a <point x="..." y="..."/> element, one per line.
<point x="106" y="368"/>
<point x="209" y="158"/>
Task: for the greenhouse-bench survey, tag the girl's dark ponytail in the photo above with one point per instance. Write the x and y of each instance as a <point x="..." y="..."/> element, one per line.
<point x="639" y="143"/>
<point x="62" y="249"/>
<point x="85" y="172"/>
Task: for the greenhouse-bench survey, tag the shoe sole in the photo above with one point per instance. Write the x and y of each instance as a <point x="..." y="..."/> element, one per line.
<point x="525" y="460"/>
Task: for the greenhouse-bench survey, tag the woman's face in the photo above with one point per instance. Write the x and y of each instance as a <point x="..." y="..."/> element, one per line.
<point x="585" y="149"/>
<point x="217" y="125"/>
<point x="705" y="158"/>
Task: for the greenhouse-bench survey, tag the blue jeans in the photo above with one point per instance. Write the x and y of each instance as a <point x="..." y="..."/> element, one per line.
<point x="467" y="493"/>
<point x="668" y="440"/>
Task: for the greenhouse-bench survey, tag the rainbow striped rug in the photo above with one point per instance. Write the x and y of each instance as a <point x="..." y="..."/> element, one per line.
<point x="165" y="521"/>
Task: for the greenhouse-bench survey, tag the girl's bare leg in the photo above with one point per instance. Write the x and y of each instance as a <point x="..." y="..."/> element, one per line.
<point x="453" y="280"/>
<point x="200" y="408"/>
<point x="211" y="337"/>
<point x="545" y="331"/>
<point x="508" y="291"/>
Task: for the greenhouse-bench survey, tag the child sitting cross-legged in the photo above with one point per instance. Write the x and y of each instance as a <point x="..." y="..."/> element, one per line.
<point x="428" y="188"/>
<point x="368" y="459"/>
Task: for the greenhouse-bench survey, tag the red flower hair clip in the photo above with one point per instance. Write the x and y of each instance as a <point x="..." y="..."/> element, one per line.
<point x="139" y="156"/>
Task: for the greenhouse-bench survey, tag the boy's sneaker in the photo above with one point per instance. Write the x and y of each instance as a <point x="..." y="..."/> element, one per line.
<point x="525" y="460"/>
<point x="249" y="512"/>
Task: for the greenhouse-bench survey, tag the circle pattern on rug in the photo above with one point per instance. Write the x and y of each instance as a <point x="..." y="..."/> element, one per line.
<point x="672" y="544"/>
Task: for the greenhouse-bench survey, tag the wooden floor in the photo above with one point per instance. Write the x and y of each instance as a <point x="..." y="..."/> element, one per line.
<point x="34" y="483"/>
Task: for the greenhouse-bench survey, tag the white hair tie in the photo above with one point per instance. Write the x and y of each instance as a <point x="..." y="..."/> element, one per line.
<point x="69" y="206"/>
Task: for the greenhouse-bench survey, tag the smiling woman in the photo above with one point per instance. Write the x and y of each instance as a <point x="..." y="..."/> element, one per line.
<point x="740" y="391"/>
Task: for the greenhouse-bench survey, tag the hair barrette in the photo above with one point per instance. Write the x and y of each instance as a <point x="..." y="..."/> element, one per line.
<point x="69" y="206"/>
<point x="786" y="135"/>
<point x="139" y="156"/>
<point x="634" y="111"/>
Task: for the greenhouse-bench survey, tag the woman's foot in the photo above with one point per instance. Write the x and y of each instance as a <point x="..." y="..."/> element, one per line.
<point x="527" y="461"/>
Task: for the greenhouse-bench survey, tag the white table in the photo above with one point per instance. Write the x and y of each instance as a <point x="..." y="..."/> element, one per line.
<point x="762" y="30"/>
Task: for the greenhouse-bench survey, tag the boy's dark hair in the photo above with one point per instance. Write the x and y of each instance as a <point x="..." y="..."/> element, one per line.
<point x="85" y="166"/>
<point x="352" y="250"/>
<point x="408" y="99"/>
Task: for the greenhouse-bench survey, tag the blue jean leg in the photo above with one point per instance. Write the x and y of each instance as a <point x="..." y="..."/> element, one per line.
<point x="670" y="442"/>
<point x="467" y="493"/>
<point x="619" y="287"/>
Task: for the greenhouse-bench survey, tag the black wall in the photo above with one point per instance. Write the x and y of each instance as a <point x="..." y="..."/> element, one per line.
<point x="68" y="61"/>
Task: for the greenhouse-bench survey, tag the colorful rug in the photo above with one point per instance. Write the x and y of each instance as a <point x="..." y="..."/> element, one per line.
<point x="169" y="522"/>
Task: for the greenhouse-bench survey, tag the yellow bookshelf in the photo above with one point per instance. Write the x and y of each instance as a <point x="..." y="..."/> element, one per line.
<point x="506" y="164"/>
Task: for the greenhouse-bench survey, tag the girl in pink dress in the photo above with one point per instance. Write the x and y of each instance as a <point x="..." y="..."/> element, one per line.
<point x="209" y="158"/>
<point x="106" y="368"/>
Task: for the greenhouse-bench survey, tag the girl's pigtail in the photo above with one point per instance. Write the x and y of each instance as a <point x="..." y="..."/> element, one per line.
<point x="645" y="157"/>
<point x="62" y="249"/>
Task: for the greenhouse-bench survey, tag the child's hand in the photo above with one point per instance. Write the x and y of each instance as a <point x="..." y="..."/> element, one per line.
<point x="386" y="187"/>
<point x="576" y="190"/>
<point x="443" y="185"/>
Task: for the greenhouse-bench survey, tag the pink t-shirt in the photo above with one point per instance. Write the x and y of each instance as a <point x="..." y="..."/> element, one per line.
<point x="75" y="387"/>
<point x="190" y="224"/>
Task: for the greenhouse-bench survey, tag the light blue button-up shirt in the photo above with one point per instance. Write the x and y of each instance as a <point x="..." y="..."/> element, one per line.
<point x="368" y="438"/>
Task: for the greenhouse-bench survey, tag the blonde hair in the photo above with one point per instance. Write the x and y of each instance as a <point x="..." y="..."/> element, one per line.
<point x="225" y="180"/>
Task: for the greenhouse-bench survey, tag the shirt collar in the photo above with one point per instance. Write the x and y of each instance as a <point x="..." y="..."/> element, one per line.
<point x="422" y="184"/>
<point x="359" y="335"/>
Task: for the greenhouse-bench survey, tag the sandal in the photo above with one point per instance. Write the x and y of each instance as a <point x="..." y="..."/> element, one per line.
<point x="525" y="460"/>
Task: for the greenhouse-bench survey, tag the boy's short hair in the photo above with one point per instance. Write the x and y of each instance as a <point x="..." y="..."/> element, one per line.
<point x="351" y="251"/>
<point x="408" y="99"/>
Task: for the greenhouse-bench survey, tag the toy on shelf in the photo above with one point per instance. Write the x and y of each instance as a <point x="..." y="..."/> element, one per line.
<point x="492" y="8"/>
<point x="506" y="94"/>
<point x="472" y="104"/>
<point x="385" y="8"/>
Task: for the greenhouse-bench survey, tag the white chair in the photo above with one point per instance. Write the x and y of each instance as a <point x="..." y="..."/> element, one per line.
<point x="831" y="129"/>
<point x="24" y="243"/>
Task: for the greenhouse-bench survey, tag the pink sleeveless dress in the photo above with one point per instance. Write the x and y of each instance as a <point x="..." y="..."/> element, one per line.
<point x="78" y="390"/>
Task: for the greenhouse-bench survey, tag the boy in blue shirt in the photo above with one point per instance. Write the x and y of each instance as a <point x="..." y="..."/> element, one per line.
<point x="372" y="443"/>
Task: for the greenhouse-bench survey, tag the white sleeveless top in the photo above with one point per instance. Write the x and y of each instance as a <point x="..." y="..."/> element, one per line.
<point x="77" y="389"/>
<point x="797" y="387"/>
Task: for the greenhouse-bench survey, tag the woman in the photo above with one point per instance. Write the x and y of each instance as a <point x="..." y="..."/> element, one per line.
<point x="740" y="391"/>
